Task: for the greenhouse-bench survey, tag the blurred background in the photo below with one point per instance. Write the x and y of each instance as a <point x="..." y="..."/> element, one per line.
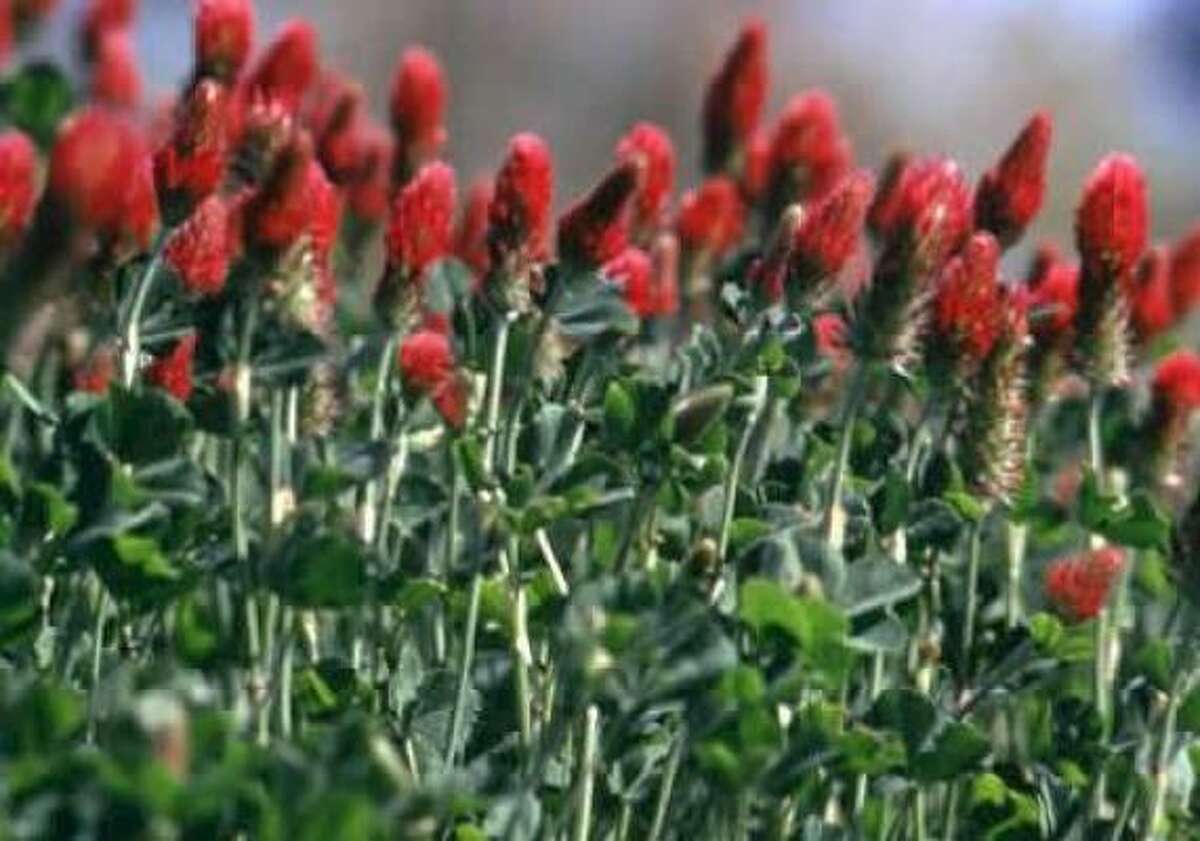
<point x="951" y="76"/>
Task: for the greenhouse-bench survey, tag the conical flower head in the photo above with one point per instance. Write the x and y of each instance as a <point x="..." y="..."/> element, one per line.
<point x="648" y="284"/>
<point x="809" y="154"/>
<point x="1152" y="308"/>
<point x="734" y="101"/>
<point x="288" y="67"/>
<point x="199" y="250"/>
<point x="596" y="228"/>
<point x="191" y="164"/>
<point x="651" y="148"/>
<point x="829" y="234"/>
<point x="223" y="38"/>
<point x="421" y="228"/>
<point x="1185" y="273"/>
<point x="172" y="372"/>
<point x="115" y="77"/>
<point x="1078" y="586"/>
<point x="711" y="218"/>
<point x="1175" y="397"/>
<point x="520" y="212"/>
<point x="18" y="185"/>
<point x="968" y="305"/>
<point x="1011" y="193"/>
<point x="418" y="108"/>
<point x="470" y="239"/>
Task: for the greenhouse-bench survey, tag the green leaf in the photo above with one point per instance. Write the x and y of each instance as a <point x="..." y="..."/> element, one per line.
<point x="135" y="568"/>
<point x="1139" y="524"/>
<point x="18" y="598"/>
<point x="955" y="749"/>
<point x="322" y="570"/>
<point x="1153" y="660"/>
<point x="590" y="307"/>
<point x="877" y="582"/>
<point x="37" y="99"/>
<point x="692" y="415"/>
<point x="890" y="502"/>
<point x="907" y="712"/>
<point x="143" y="426"/>
<point x="46" y="512"/>
<point x="817" y="627"/>
<point x="620" y="414"/>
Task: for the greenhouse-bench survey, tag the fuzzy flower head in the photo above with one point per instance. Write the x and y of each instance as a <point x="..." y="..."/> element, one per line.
<point x="1053" y="286"/>
<point x="470" y="239"/>
<point x="288" y="67"/>
<point x="18" y="185"/>
<point x="967" y="302"/>
<point x="172" y="372"/>
<point x="928" y="209"/>
<point x="427" y="367"/>
<point x="832" y="339"/>
<point x="1011" y="193"/>
<point x="1151" y="308"/>
<point x="829" y="232"/>
<point x="809" y="154"/>
<point x="1112" y="220"/>
<point x="199" y="250"/>
<point x="421" y="228"/>
<point x="756" y="165"/>
<point x="596" y="228"/>
<point x="711" y="218"/>
<point x="90" y="166"/>
<point x="1175" y="397"/>
<point x="279" y="212"/>
<point x="1185" y="273"/>
<point x="224" y="36"/>
<point x="103" y="16"/>
<point x="191" y="165"/>
<point x="734" y="101"/>
<point x="115" y="78"/>
<point x="881" y="216"/>
<point x="649" y="292"/>
<point x="519" y="217"/>
<point x="418" y="107"/>
<point x="368" y="188"/>
<point x="652" y="147"/>
<point x="1078" y="586"/>
<point x="1177" y="381"/>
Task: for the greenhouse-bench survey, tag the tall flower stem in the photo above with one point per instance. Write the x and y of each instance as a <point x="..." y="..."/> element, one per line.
<point x="586" y="775"/>
<point x="1104" y="621"/>
<point x="466" y="665"/>
<point x="130" y="326"/>
<point x="835" y="512"/>
<point x="368" y="519"/>
<point x="495" y="389"/>
<point x="971" y="606"/>
<point x="729" y="498"/>
<point x="662" y="805"/>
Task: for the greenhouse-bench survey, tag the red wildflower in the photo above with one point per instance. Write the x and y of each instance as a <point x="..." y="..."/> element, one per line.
<point x="18" y="184"/>
<point x="368" y="188"/>
<point x="929" y="207"/>
<point x="421" y="228"/>
<point x="1078" y="586"/>
<point x="192" y="163"/>
<point x="829" y="232"/>
<point x="757" y="165"/>
<point x="115" y="78"/>
<point x="809" y="154"/>
<point x="199" y="249"/>
<point x="1053" y="297"/>
<point x="1011" y="193"/>
<point x="288" y="67"/>
<point x="596" y="228"/>
<point x="711" y="217"/>
<point x="172" y="372"/>
<point x="735" y="97"/>
<point x="832" y="338"/>
<point x="1152" y="310"/>
<point x="102" y="17"/>
<point x="651" y="145"/>
<point x="1185" y="272"/>
<point x="450" y="397"/>
<point x="224" y="36"/>
<point x="967" y="302"/>
<point x="426" y="360"/>
<point x="96" y="374"/>
<point x="1177" y="381"/>
<point x="1112" y="220"/>
<point x="418" y="105"/>
<point x="279" y="213"/>
<point x="337" y="119"/>
<point x="881" y="216"/>
<point x="139" y="220"/>
<point x="634" y="272"/>
<point x="1175" y="397"/>
<point x="90" y="167"/>
<point x="519" y="219"/>
<point x="769" y="273"/>
<point x="470" y="240"/>
<point x="326" y="211"/>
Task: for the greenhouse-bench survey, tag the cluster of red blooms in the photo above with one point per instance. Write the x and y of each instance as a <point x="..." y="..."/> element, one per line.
<point x="1078" y="586"/>
<point x="108" y="49"/>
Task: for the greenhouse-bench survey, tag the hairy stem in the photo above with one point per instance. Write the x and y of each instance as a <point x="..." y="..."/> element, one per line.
<point x="586" y="775"/>
<point x="835" y="513"/>
<point x="729" y="498"/>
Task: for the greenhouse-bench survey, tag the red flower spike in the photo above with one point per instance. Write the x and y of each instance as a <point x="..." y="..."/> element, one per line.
<point x="881" y="218"/>
<point x="421" y="227"/>
<point x="470" y="239"/>
<point x="173" y="371"/>
<point x="633" y="271"/>
<point x="651" y="145"/>
<point x="829" y="232"/>
<point x="367" y="191"/>
<point x="104" y="16"/>
<point x="426" y="360"/>
<point x="967" y="303"/>
<point x="1053" y="297"/>
<point x="930" y="205"/>
<point x="1113" y="218"/>
<point x="418" y="106"/>
<point x="1078" y="586"/>
<point x="192" y="163"/>
<point x="769" y="274"/>
<point x="808" y="154"/>
<point x="1152" y="309"/>
<point x="1185" y="273"/>
<point x="1177" y="381"/>
<point x="1011" y="193"/>
<point x="451" y="398"/>
<point x="199" y="250"/>
<point x="90" y="167"/>
<point x="832" y="338"/>
<point x="1175" y="396"/>
<point x="519" y="219"/>
<point x="115" y="78"/>
<point x="711" y="217"/>
<point x="139" y="222"/>
<point x="326" y="211"/>
<point x="289" y="66"/>
<point x="596" y="228"/>
<point x="96" y="374"/>
<point x="279" y="213"/>
<point x="224" y="36"/>
<point x="18" y="185"/>
<point x="757" y="165"/>
<point x="735" y="98"/>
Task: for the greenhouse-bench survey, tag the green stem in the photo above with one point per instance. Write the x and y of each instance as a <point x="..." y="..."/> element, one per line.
<point x="495" y="391"/>
<point x="835" y="513"/>
<point x="971" y="607"/>
<point x="458" y="717"/>
<point x="368" y="517"/>
<point x="662" y="806"/>
<point x="130" y="327"/>
<point x="729" y="499"/>
<point x="586" y="775"/>
<point x="97" y="657"/>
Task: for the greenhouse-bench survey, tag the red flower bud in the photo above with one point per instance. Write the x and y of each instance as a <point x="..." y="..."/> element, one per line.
<point x="1078" y="586"/>
<point x="1185" y="273"/>
<point x="881" y="218"/>
<point x="199" y="250"/>
<point x="1152" y="309"/>
<point x="1177" y="381"/>
<point x="967" y="302"/>
<point x="289" y="66"/>
<point x="1112" y="220"/>
<point x="470" y="240"/>
<point x="711" y="217"/>
<point x="735" y="97"/>
<point x="368" y="188"/>
<point x="1053" y="298"/>
<point x="757" y="165"/>
<point x="450" y="398"/>
<point x="596" y="228"/>
<point x="520" y="212"/>
<point x="139" y="221"/>
<point x="929" y="207"/>
<point x="192" y="163"/>
<point x="1175" y="396"/>
<point x="279" y="213"/>
<point x="91" y="168"/>
<point x="102" y="17"/>
<point x="1011" y="193"/>
<point x="421" y="227"/>
<point x="96" y="374"/>
<point x="18" y="185"/>
<point x="832" y="338"/>
<point x="326" y="207"/>
<point x="418" y="105"/>
<point x="115" y="78"/>
<point x="652" y="146"/>
<point x="224" y="36"/>
<point x="426" y="360"/>
<point x="808" y="154"/>
<point x="337" y="119"/>
<point x="830" y="231"/>
<point x="173" y="371"/>
<point x="646" y="292"/>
